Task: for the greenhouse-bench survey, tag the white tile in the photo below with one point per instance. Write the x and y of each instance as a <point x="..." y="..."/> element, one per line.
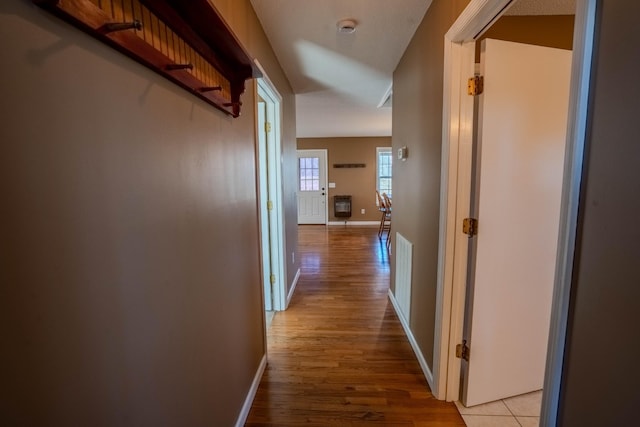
<point x="525" y="405"/>
<point x="492" y="408"/>
<point x="269" y="316"/>
<point x="489" y="421"/>
<point x="529" y="421"/>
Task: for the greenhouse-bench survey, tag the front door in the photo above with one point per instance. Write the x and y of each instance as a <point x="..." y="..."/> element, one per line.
<point x="312" y="199"/>
<point x="519" y="159"/>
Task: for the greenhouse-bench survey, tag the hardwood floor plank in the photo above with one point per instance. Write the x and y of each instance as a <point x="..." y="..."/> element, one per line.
<point x="339" y="356"/>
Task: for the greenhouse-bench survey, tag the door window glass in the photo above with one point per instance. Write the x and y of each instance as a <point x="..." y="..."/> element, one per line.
<point x="309" y="173"/>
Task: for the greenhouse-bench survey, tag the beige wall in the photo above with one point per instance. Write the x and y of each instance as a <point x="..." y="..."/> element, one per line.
<point x="241" y="17"/>
<point x="417" y="124"/>
<point x="360" y="183"/>
<point x="545" y="30"/>
<point x="289" y="170"/>
<point x="129" y="259"/>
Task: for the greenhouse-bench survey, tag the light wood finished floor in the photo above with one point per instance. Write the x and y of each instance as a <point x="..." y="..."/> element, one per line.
<point x="338" y="356"/>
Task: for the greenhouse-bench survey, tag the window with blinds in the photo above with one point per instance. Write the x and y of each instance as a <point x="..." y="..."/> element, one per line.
<point x="384" y="165"/>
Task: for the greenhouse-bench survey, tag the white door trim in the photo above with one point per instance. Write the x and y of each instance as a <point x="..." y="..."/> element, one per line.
<point x="263" y="190"/>
<point x="584" y="28"/>
<point x="270" y="94"/>
<point x="452" y="260"/>
<point x="455" y="205"/>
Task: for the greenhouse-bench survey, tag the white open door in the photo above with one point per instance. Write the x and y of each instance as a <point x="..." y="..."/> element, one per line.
<point x="519" y="159"/>
<point x="312" y="182"/>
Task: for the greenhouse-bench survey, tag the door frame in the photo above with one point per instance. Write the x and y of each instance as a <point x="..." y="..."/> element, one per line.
<point x="272" y="234"/>
<point x="325" y="183"/>
<point x="457" y="133"/>
<point x="265" y="246"/>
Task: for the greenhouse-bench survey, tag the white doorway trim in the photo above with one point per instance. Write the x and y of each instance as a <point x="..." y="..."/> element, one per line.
<point x="584" y="29"/>
<point x="272" y="231"/>
<point x="455" y="191"/>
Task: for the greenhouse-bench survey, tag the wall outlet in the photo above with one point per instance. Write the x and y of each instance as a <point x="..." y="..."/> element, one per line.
<point x="293" y="257"/>
<point x="362" y="211"/>
<point x="403" y="153"/>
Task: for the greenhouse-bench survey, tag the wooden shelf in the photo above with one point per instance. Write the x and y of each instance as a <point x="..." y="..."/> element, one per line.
<point x="185" y="41"/>
<point x="349" y="165"/>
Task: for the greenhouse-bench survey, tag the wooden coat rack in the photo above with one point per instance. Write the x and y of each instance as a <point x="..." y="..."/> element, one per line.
<point x="187" y="42"/>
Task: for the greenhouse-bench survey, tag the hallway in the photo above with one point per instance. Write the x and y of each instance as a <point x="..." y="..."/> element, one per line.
<point x="338" y="356"/>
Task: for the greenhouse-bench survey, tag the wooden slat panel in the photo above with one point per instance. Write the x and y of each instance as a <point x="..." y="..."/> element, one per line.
<point x="162" y="37"/>
<point x="127" y="10"/>
<point x="196" y="66"/>
<point x="106" y="6"/>
<point x="146" y="25"/>
<point x="118" y="13"/>
<point x="171" y="45"/>
<point x="181" y="58"/>
<point x="188" y="54"/>
<point x="199" y="67"/>
<point x="136" y="9"/>
<point x="210" y="80"/>
<point x="155" y="36"/>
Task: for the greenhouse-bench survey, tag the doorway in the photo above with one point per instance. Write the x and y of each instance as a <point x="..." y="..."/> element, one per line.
<point x="457" y="170"/>
<point x="312" y="187"/>
<point x="268" y="131"/>
<point x="516" y="191"/>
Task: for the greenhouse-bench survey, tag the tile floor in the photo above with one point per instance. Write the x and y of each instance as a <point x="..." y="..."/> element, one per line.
<point x="517" y="411"/>
<point x="269" y="316"/>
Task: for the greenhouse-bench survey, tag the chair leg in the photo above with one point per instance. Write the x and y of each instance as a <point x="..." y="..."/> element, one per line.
<point x="389" y="238"/>
<point x="382" y="221"/>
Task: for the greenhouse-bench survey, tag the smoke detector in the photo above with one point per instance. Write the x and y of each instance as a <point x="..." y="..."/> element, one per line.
<point x="347" y="26"/>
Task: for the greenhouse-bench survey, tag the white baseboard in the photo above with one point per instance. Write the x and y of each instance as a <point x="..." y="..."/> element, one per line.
<point x="371" y="223"/>
<point x="414" y="344"/>
<point x="293" y="288"/>
<point x="244" y="413"/>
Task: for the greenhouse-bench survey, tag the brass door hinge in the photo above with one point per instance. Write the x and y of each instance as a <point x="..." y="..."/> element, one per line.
<point x="475" y="85"/>
<point x="270" y="205"/>
<point x="470" y="226"/>
<point x="267" y="127"/>
<point x="462" y="351"/>
<point x="272" y="279"/>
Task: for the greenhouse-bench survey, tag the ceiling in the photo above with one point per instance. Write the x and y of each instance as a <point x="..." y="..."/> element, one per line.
<point x="343" y="81"/>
